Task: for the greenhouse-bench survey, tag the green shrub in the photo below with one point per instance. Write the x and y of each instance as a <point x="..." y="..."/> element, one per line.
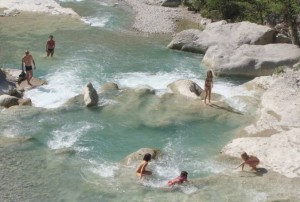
<point x="296" y="67"/>
<point x="278" y="70"/>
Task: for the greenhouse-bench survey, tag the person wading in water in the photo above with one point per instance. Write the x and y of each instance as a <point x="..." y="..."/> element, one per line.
<point x="50" y="45"/>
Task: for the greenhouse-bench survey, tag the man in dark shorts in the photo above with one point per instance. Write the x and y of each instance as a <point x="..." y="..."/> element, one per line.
<point x="50" y="45"/>
<point x="27" y="61"/>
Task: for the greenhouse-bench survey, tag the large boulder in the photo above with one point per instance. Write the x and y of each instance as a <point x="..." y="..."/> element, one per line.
<point x="186" y="88"/>
<point x="8" y="101"/>
<point x="5" y="85"/>
<point x="171" y="3"/>
<point x="220" y="33"/>
<point x="250" y="60"/>
<point x="280" y="152"/>
<point x="90" y="95"/>
<point x="138" y="156"/>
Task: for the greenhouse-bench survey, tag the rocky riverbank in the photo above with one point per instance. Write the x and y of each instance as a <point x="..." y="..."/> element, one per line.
<point x="231" y="49"/>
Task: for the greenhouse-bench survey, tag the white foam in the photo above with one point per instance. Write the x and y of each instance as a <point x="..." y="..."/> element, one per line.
<point x="104" y="169"/>
<point x="229" y="92"/>
<point x="96" y="21"/>
<point x="157" y="81"/>
<point x="160" y="80"/>
<point x="42" y="6"/>
<point x="68" y="135"/>
<point x="61" y="86"/>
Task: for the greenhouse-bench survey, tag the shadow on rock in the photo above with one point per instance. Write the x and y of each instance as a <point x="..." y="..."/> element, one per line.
<point x="228" y="109"/>
<point x="261" y="171"/>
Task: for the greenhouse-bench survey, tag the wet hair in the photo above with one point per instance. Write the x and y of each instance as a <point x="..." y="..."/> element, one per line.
<point x="51" y="36"/>
<point x="244" y="155"/>
<point x="147" y="157"/>
<point x="27" y="52"/>
<point x="184" y="174"/>
<point x="207" y="74"/>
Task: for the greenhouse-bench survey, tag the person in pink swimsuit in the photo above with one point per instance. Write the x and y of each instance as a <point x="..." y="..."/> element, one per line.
<point x="252" y="161"/>
<point x="180" y="179"/>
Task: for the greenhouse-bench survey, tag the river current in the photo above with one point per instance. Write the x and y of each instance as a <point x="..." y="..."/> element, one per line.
<point x="101" y="47"/>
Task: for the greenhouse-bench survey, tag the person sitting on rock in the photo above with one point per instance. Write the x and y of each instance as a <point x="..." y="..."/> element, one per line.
<point x="141" y="169"/>
<point x="252" y="161"/>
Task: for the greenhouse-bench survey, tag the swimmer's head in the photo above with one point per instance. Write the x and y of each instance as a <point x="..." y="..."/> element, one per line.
<point x="27" y="52"/>
<point x="184" y="174"/>
<point x="147" y="157"/>
<point x="51" y="36"/>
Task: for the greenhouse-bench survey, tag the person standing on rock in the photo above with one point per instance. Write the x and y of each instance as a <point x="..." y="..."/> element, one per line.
<point x="50" y="45"/>
<point x="208" y="85"/>
<point x="27" y="61"/>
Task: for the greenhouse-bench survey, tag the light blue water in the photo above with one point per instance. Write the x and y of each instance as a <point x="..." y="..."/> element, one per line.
<point x="105" y="49"/>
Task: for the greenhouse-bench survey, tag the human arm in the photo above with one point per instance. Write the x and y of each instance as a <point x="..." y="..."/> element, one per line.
<point x="143" y="168"/>
<point x="47" y="45"/>
<point x="242" y="164"/>
<point x="22" y="65"/>
<point x="33" y="63"/>
<point x="173" y="181"/>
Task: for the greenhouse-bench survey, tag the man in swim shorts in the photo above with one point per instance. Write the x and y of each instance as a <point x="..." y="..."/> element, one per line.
<point x="50" y="45"/>
<point x="27" y="61"/>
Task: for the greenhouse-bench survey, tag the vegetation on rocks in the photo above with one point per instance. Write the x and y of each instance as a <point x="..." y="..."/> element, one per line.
<point x="270" y="12"/>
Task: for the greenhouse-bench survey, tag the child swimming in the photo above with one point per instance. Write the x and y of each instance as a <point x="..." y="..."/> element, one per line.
<point x="141" y="169"/>
<point x="180" y="179"/>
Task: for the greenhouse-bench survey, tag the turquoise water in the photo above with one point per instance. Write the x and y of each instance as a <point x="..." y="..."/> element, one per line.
<point x="98" y="49"/>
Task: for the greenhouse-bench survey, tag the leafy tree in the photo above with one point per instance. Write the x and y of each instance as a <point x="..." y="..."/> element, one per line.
<point x="288" y="10"/>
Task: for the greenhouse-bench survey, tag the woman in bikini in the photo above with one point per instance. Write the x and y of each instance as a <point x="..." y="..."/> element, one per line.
<point x="208" y="85"/>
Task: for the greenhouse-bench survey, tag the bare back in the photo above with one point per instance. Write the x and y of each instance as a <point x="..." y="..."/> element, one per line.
<point x="142" y="167"/>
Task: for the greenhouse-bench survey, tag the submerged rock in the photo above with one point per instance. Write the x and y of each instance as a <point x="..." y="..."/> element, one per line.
<point x="108" y="86"/>
<point x="8" y="101"/>
<point x="138" y="156"/>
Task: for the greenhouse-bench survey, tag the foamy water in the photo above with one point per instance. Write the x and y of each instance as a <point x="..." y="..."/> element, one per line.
<point x="68" y="135"/>
<point x="100" y="137"/>
<point x="96" y="22"/>
<point x="61" y="85"/>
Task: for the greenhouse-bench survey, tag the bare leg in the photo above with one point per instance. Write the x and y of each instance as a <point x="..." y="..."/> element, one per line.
<point x="29" y="76"/>
<point x="209" y="94"/>
<point x="52" y="53"/>
<point x="206" y="93"/>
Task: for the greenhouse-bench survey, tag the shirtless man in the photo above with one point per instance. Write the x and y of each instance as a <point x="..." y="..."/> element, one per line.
<point x="27" y="60"/>
<point x="50" y="45"/>
<point x="141" y="169"/>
